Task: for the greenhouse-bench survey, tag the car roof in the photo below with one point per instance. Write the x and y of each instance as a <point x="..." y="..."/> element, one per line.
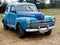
<point x="21" y="4"/>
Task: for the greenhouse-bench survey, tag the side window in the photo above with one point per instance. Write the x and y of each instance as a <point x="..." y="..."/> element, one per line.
<point x="7" y="9"/>
<point x="13" y="9"/>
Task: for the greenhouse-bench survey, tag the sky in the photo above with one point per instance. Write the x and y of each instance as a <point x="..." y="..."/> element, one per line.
<point x="9" y="1"/>
<point x="48" y="1"/>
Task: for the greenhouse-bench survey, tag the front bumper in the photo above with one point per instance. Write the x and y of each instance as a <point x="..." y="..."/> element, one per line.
<point x="41" y="30"/>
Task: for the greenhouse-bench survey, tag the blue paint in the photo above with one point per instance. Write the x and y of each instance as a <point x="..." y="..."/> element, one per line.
<point x="11" y="19"/>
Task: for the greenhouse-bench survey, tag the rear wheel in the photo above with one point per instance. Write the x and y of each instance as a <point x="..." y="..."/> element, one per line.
<point x="21" y="32"/>
<point x="48" y="33"/>
<point x="5" y="27"/>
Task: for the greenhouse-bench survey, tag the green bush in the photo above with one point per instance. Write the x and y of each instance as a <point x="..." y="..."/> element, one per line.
<point x="41" y="6"/>
<point x="2" y="7"/>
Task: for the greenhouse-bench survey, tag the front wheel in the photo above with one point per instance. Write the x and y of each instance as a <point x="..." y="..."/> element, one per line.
<point x="48" y="33"/>
<point x="21" y="32"/>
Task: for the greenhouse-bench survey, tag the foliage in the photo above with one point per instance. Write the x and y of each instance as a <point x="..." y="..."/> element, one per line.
<point x="57" y="4"/>
<point x="32" y="1"/>
<point x="41" y="6"/>
<point x="2" y="7"/>
<point x="20" y="0"/>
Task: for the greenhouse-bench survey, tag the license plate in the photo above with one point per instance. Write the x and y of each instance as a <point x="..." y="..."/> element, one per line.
<point x="43" y="31"/>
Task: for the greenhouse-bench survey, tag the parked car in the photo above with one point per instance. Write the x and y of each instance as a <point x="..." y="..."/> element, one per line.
<point x="24" y="17"/>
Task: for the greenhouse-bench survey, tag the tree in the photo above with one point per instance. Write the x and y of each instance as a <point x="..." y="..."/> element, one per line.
<point x="41" y="6"/>
<point x="2" y="7"/>
<point x="0" y="2"/>
<point x="32" y="1"/>
<point x="57" y="4"/>
<point x="52" y="3"/>
<point x="20" y="0"/>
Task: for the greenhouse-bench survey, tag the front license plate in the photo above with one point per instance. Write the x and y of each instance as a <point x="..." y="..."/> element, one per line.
<point x="42" y="31"/>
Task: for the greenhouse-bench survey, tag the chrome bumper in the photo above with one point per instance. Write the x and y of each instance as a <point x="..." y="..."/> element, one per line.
<point x="40" y="29"/>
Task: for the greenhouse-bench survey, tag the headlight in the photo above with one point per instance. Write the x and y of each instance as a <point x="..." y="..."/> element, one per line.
<point x="53" y="19"/>
<point x="28" y="21"/>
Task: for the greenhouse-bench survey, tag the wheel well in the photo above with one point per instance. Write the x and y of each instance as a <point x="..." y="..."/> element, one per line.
<point x="17" y="25"/>
<point x="20" y="25"/>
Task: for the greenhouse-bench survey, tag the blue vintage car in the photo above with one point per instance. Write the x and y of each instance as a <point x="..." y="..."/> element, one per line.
<point x="24" y="17"/>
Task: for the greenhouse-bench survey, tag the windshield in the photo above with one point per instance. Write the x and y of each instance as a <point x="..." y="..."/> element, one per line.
<point x="26" y="8"/>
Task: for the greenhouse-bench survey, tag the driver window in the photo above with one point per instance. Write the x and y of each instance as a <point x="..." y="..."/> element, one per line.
<point x="7" y="9"/>
<point x="12" y="9"/>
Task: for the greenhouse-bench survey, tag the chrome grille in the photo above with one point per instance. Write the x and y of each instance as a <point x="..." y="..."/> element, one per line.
<point x="42" y="25"/>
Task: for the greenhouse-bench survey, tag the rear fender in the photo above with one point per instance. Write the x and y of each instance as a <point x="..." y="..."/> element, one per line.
<point x="4" y="20"/>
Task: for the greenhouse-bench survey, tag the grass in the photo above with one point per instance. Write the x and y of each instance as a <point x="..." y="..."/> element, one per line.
<point x="51" y="11"/>
<point x="1" y="16"/>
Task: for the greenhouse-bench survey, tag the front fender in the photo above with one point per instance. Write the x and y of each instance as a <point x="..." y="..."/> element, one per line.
<point x="22" y="21"/>
<point x="48" y="18"/>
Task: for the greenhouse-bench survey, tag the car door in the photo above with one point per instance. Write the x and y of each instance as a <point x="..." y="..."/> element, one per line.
<point x="12" y="15"/>
<point x="7" y="14"/>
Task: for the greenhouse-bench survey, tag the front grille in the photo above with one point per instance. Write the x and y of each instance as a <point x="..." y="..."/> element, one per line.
<point x="35" y="25"/>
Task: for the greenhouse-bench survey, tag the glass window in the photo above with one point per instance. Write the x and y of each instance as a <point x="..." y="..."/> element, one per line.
<point x="26" y="8"/>
<point x="12" y="8"/>
<point x="6" y="9"/>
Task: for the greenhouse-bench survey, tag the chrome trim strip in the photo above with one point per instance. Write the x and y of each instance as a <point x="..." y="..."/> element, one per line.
<point x="33" y="30"/>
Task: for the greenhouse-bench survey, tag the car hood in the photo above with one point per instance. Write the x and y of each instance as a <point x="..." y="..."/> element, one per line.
<point x="37" y="15"/>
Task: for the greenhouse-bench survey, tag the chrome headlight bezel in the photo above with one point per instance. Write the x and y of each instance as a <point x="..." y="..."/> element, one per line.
<point x="28" y="21"/>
